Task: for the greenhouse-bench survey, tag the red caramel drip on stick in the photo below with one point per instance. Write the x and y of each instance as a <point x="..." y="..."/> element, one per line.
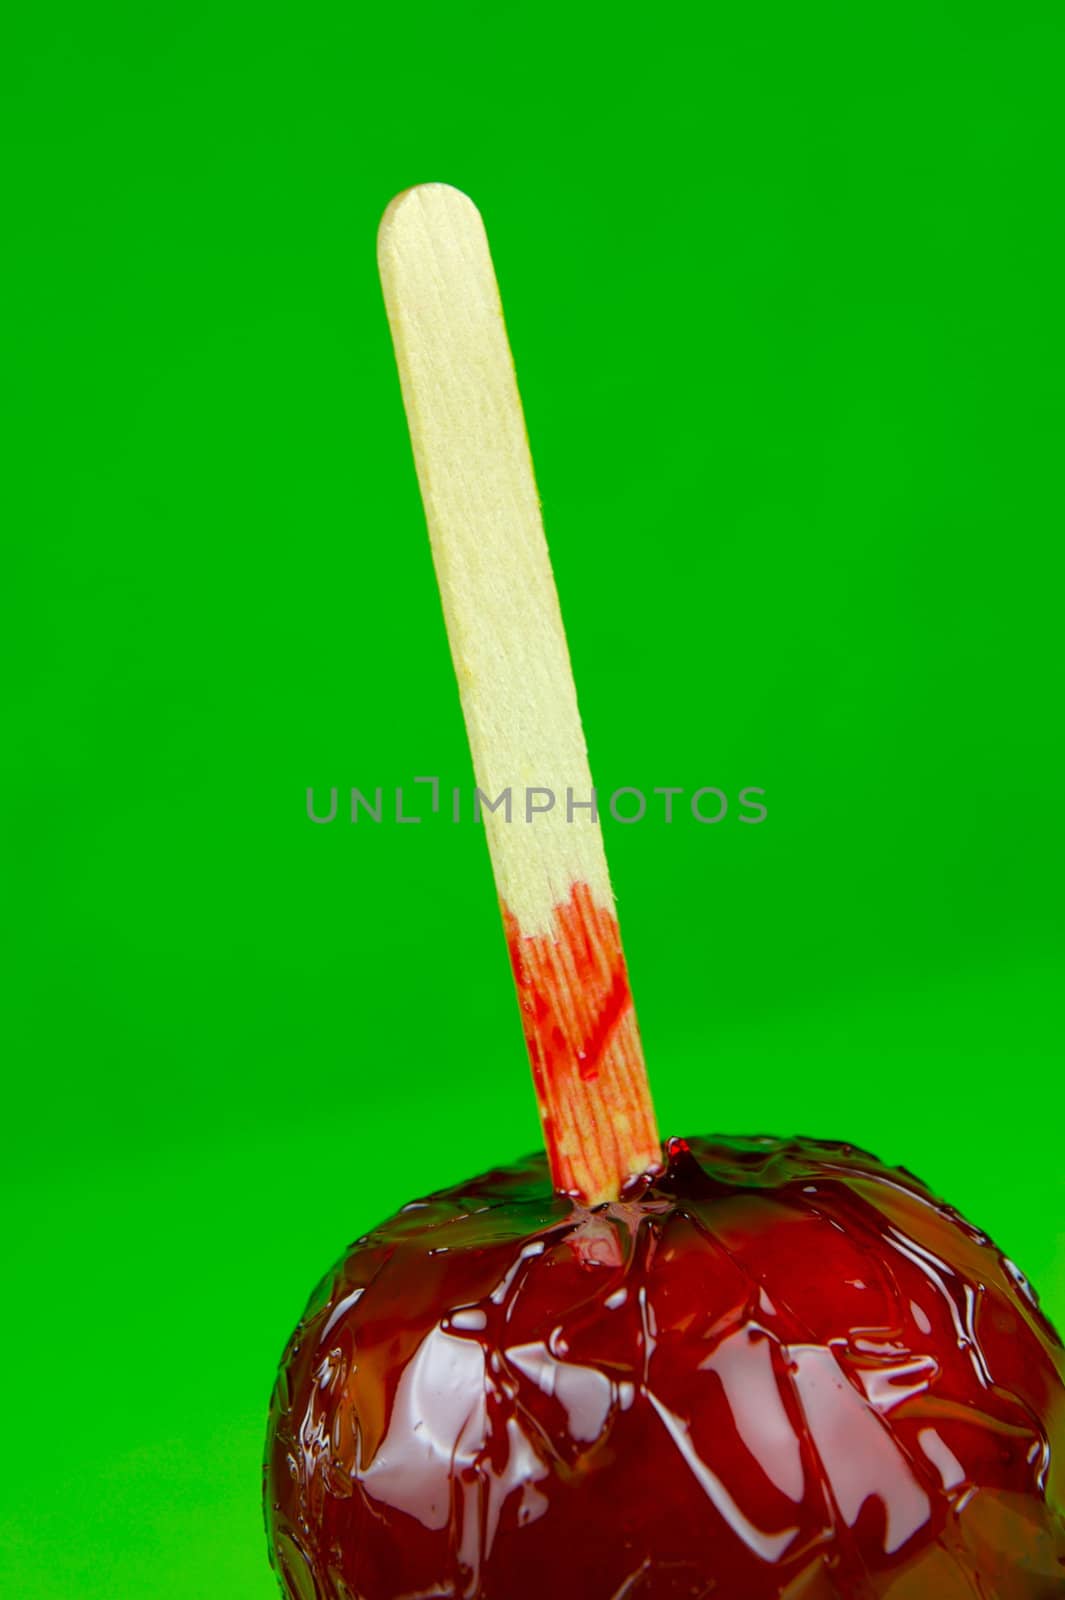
<point x="512" y="662"/>
<point x="583" y="1042"/>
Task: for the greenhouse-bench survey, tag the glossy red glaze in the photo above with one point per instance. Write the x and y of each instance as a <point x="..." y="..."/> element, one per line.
<point x="779" y="1371"/>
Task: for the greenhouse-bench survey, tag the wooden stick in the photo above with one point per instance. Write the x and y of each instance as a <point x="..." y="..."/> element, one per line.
<point x="516" y="683"/>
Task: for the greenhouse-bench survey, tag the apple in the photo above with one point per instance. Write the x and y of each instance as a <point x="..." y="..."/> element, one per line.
<point x="774" y="1370"/>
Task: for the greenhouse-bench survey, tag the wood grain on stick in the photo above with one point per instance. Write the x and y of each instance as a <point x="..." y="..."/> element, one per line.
<point x="516" y="685"/>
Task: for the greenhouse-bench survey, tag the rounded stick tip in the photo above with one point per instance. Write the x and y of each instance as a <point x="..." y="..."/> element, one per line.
<point x="425" y="202"/>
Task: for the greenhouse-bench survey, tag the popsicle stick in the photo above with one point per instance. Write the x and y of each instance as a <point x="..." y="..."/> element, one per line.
<point x="516" y="685"/>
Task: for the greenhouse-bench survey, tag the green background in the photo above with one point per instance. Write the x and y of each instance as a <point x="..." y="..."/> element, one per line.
<point x="785" y="297"/>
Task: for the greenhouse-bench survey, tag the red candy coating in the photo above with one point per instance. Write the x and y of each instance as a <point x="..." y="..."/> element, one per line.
<point x="778" y="1371"/>
<point x="584" y="1047"/>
